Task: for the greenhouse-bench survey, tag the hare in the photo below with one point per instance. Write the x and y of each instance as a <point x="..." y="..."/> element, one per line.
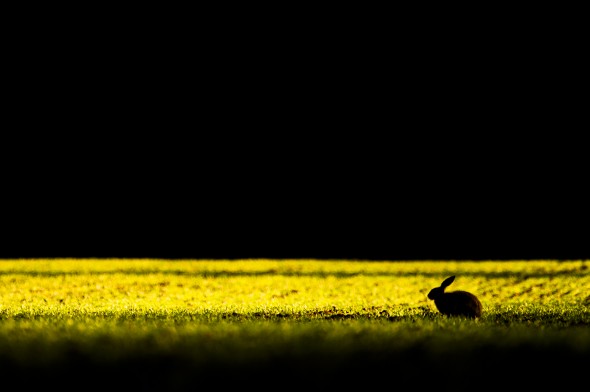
<point x="455" y="303"/>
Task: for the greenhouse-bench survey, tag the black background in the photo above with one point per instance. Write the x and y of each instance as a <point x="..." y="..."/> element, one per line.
<point x="383" y="136"/>
<point x="340" y="133"/>
<point x="299" y="202"/>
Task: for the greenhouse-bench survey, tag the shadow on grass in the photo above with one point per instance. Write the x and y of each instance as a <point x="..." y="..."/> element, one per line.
<point x="416" y="366"/>
<point x="577" y="272"/>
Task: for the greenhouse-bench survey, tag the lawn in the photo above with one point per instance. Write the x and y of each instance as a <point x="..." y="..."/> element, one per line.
<point x="274" y="324"/>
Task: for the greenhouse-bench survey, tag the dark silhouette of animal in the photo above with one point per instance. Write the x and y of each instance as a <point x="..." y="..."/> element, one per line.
<point x="455" y="303"/>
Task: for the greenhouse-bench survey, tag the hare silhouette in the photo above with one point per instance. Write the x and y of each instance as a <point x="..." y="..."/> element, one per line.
<point x="455" y="303"/>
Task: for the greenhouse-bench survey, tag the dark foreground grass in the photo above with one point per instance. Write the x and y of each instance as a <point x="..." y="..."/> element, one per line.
<point x="504" y="350"/>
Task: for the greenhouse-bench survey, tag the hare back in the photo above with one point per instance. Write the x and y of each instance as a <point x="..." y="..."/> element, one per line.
<point x="459" y="303"/>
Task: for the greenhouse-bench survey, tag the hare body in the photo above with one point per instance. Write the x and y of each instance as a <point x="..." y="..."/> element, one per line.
<point x="455" y="303"/>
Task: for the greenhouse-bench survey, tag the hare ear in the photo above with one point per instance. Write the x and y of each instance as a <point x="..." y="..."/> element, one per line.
<point x="447" y="281"/>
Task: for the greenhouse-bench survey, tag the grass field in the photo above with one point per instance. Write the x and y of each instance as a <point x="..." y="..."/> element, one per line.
<point x="275" y="324"/>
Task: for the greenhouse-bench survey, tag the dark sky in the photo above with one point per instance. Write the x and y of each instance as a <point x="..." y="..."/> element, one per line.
<point x="284" y="140"/>
<point x="332" y="150"/>
<point x="283" y="235"/>
<point x="250" y="195"/>
<point x="288" y="204"/>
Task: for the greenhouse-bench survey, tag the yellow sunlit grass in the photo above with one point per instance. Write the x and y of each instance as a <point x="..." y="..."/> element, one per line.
<point x="291" y="286"/>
